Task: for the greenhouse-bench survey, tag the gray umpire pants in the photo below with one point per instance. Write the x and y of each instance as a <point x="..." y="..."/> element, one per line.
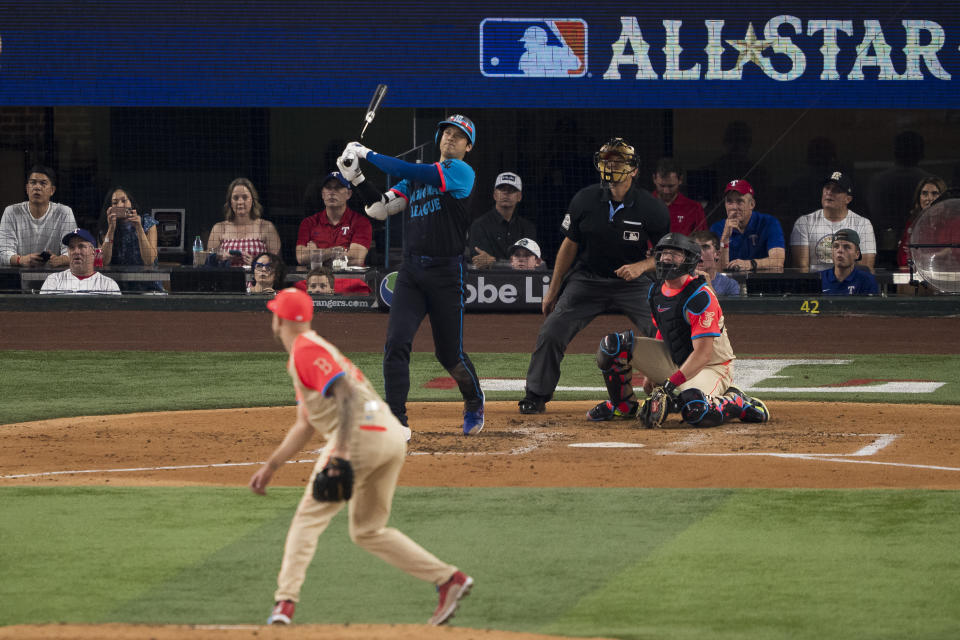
<point x="584" y="297"/>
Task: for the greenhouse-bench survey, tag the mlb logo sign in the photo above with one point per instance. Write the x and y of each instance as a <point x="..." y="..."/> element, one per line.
<point x="533" y="47"/>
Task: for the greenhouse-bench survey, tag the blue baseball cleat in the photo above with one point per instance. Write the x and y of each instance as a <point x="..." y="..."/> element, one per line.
<point x="473" y="420"/>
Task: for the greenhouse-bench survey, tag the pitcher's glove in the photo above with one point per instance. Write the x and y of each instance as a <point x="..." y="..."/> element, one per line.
<point x="663" y="399"/>
<point x="334" y="483"/>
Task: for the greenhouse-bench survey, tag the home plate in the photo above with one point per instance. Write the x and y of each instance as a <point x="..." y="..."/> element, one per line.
<point x="607" y="445"/>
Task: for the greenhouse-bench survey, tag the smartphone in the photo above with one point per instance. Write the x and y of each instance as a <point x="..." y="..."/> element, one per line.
<point x="122" y="214"/>
<point x="45" y="256"/>
<point x="236" y="253"/>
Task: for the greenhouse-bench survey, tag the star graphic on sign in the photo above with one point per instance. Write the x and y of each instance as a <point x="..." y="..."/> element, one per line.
<point x="750" y="48"/>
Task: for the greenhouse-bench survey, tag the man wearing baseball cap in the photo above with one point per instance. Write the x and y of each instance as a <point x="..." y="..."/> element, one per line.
<point x="749" y="240"/>
<point x="493" y="234"/>
<point x="337" y="225"/>
<point x="364" y="452"/>
<point x="811" y="241"/>
<point x="844" y="279"/>
<point x="81" y="277"/>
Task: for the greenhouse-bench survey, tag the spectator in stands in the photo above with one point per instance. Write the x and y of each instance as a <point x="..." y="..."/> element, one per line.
<point x="525" y="256"/>
<point x="686" y="216"/>
<point x="30" y="231"/>
<point x="812" y="238"/>
<point x="844" y="279"/>
<point x="269" y="273"/>
<point x="128" y="236"/>
<point x="320" y="281"/>
<point x="81" y="277"/>
<point x="749" y="240"/>
<point x="925" y="193"/>
<point x="889" y="193"/>
<point x="710" y="264"/>
<point x="243" y="229"/>
<point x="493" y="234"/>
<point x="336" y="226"/>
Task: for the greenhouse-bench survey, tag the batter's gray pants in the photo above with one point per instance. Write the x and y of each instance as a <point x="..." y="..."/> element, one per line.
<point x="584" y="297"/>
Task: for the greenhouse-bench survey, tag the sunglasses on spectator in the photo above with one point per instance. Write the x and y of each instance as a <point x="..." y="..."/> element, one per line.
<point x="266" y="266"/>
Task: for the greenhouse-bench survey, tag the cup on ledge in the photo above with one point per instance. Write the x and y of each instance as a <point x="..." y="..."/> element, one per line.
<point x="335" y="257"/>
<point x="316" y="258"/>
<point x="200" y="258"/>
<point x="339" y="258"/>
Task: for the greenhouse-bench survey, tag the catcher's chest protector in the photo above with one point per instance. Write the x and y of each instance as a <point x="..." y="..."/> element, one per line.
<point x="669" y="315"/>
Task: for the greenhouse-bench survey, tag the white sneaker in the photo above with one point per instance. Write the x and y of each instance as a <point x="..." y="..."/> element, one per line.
<point x="406" y="433"/>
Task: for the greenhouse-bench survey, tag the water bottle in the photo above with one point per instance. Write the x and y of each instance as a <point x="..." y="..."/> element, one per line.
<point x="198" y="252"/>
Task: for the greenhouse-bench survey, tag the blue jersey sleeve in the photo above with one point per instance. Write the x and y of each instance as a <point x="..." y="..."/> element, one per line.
<point x="403" y="188"/>
<point x="422" y="173"/>
<point x="456" y="178"/>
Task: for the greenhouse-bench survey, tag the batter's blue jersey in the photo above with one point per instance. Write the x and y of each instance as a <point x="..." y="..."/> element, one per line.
<point x="436" y="219"/>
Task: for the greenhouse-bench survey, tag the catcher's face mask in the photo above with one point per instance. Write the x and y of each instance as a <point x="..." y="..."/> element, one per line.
<point x="615" y="160"/>
<point x="676" y="255"/>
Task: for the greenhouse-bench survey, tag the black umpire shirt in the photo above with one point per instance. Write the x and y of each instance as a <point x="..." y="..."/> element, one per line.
<point x="495" y="235"/>
<point x="610" y="235"/>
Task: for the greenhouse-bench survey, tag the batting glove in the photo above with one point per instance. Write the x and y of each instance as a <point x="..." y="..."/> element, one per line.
<point x="350" y="168"/>
<point x="358" y="149"/>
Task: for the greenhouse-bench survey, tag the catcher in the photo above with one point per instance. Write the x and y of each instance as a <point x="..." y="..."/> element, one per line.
<point x="688" y="367"/>
<point x="358" y="467"/>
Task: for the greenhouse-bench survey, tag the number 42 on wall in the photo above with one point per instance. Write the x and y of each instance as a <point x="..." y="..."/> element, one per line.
<point x="810" y="306"/>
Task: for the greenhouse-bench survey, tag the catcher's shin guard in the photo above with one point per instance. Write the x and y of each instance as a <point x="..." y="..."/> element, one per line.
<point x="613" y="358"/>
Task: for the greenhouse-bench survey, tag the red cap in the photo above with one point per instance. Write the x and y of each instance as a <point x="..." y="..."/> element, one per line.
<point x="292" y="304"/>
<point x="740" y="186"/>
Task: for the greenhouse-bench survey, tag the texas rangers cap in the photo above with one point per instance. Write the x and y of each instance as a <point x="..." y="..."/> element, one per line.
<point x="740" y="186"/>
<point x="841" y="179"/>
<point x="335" y="175"/>
<point x="528" y="244"/>
<point x="292" y="304"/>
<point x="510" y="179"/>
<point x="83" y="234"/>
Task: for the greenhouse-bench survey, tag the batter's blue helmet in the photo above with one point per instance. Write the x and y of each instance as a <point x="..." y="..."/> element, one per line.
<point x="463" y="123"/>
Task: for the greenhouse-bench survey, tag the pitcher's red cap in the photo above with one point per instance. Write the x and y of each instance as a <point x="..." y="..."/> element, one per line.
<point x="292" y="304"/>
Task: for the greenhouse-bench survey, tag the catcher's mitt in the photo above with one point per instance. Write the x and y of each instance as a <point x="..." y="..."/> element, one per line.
<point x="655" y="409"/>
<point x="334" y="482"/>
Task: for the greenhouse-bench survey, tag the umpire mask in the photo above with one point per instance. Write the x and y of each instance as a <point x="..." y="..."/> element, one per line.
<point x="615" y="161"/>
<point x="679" y="242"/>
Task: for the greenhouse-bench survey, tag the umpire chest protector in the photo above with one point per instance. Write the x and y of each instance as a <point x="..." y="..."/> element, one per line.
<point x="670" y="316"/>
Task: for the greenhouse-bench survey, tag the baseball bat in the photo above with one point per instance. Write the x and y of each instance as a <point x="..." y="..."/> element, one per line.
<point x="378" y="94"/>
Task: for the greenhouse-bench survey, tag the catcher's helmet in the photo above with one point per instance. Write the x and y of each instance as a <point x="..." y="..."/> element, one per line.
<point x="680" y="242"/>
<point x="463" y="123"/>
<point x="615" y="160"/>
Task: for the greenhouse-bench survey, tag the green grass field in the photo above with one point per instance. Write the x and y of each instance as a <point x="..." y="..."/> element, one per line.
<point x="623" y="563"/>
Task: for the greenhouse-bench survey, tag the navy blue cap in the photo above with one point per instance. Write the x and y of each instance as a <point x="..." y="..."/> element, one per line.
<point x="83" y="234"/>
<point x="336" y="175"/>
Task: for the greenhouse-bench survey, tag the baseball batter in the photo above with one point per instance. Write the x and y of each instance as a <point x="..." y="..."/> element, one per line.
<point x="358" y="467"/>
<point x="690" y="358"/>
<point x="433" y="198"/>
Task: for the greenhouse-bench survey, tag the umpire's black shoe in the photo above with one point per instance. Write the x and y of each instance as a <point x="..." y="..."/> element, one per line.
<point x="531" y="406"/>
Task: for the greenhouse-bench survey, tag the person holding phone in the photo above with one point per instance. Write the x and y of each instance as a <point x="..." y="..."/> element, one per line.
<point x="129" y="238"/>
<point x="30" y="231"/>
